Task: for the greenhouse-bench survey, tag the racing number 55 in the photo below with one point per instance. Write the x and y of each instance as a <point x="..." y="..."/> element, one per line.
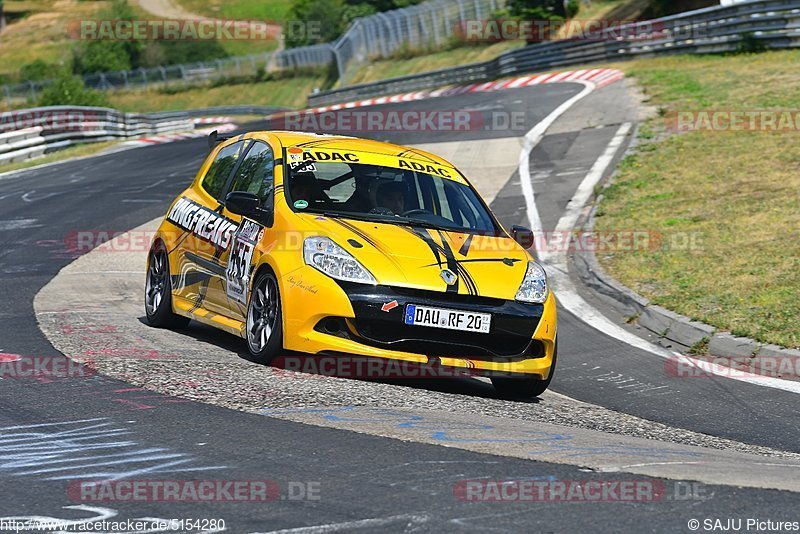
<point x="255" y="175"/>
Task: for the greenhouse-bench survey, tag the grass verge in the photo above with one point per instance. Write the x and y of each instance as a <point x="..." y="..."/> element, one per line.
<point x="289" y="92"/>
<point x="737" y="193"/>
<point x="410" y="63"/>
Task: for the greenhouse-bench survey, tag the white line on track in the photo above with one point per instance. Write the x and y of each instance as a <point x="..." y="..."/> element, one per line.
<point x="532" y="138"/>
<point x="557" y="267"/>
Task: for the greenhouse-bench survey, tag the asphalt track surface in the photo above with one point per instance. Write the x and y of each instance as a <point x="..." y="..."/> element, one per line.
<point x="364" y="482"/>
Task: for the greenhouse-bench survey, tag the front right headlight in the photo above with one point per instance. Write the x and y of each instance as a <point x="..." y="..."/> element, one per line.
<point x="534" y="286"/>
<point x="322" y="253"/>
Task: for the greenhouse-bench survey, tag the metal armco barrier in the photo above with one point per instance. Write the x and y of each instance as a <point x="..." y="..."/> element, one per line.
<point x="29" y="133"/>
<point x="773" y="24"/>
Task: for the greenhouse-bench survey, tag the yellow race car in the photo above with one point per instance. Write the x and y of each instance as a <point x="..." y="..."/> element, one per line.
<point x="341" y="247"/>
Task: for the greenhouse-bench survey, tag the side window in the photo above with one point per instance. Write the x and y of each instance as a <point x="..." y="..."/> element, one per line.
<point x="216" y="177"/>
<point x="256" y="173"/>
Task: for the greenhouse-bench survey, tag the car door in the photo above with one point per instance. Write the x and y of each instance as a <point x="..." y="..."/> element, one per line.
<point x="256" y="175"/>
<point x="201" y="273"/>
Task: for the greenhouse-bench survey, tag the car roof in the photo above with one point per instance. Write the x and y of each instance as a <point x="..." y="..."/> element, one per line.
<point x="333" y="142"/>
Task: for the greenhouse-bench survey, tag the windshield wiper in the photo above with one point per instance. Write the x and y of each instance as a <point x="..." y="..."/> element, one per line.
<point x="427" y="224"/>
<point x="389" y="219"/>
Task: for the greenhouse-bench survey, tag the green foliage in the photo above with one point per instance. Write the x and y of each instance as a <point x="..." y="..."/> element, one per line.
<point x="354" y="11"/>
<point x="108" y="55"/>
<point x="68" y="90"/>
<point x="537" y="9"/>
<point x="176" y="52"/>
<point x="101" y="56"/>
<point x="573" y="7"/>
<point x="750" y="44"/>
<point x="662" y="8"/>
<point x="323" y="20"/>
<point x="328" y="19"/>
<point x="36" y="70"/>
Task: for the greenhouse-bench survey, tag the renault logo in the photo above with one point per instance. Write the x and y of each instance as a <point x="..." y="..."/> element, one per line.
<point x="449" y="277"/>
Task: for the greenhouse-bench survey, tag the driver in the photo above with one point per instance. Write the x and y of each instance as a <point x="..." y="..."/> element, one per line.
<point x="391" y="196"/>
<point x="304" y="187"/>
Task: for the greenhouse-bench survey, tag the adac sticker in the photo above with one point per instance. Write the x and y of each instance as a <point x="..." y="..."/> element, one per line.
<point x="300" y="204"/>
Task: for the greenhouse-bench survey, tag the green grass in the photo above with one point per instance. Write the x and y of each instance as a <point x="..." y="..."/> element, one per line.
<point x="289" y="92"/>
<point x="412" y="64"/>
<point x="737" y="192"/>
<point x="271" y="10"/>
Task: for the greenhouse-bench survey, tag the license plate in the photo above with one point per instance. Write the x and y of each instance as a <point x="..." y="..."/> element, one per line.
<point x="449" y="319"/>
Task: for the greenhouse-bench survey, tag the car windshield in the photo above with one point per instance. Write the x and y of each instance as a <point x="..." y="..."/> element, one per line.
<point x="386" y="194"/>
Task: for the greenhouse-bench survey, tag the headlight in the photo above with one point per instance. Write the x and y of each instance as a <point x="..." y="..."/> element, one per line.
<point x="534" y="286"/>
<point x="333" y="260"/>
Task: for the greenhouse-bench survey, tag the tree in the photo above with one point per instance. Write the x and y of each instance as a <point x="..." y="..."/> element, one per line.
<point x="537" y="9"/>
<point x="322" y="22"/>
<point x="2" y="16"/>
<point x="69" y="90"/>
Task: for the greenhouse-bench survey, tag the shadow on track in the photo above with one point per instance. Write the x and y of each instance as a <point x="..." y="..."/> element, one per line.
<point x="404" y="374"/>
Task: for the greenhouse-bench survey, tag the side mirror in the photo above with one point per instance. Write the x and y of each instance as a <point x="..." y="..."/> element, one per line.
<point x="523" y="236"/>
<point x="244" y="204"/>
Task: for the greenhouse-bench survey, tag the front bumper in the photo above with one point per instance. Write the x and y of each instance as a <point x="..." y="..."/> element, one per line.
<point x="521" y="340"/>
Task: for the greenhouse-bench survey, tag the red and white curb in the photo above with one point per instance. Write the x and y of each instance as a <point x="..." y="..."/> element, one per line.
<point x="179" y="136"/>
<point x="212" y="120"/>
<point x="598" y="77"/>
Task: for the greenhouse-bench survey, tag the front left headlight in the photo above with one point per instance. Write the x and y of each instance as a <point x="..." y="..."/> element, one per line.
<point x="534" y="286"/>
<point x="325" y="255"/>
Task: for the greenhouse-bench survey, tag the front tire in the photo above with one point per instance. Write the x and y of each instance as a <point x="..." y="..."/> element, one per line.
<point x="525" y="388"/>
<point x="158" y="291"/>
<point x="264" y="319"/>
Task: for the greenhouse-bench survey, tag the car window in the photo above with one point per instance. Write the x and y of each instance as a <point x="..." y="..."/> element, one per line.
<point x="216" y="177"/>
<point x="386" y="193"/>
<point x="256" y="173"/>
<point x="337" y="180"/>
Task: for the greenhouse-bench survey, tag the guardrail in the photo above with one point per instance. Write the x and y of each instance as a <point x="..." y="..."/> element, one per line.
<point x="773" y="24"/>
<point x="33" y="132"/>
<point x="30" y="133"/>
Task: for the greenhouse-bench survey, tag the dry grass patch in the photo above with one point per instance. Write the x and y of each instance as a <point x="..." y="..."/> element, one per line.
<point x="42" y="32"/>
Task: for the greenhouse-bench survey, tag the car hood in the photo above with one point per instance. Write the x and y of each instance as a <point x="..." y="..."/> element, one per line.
<point x="414" y="257"/>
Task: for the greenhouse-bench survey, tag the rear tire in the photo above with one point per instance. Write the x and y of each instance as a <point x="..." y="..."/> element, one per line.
<point x="525" y="388"/>
<point x="264" y="319"/>
<point x="158" y="291"/>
